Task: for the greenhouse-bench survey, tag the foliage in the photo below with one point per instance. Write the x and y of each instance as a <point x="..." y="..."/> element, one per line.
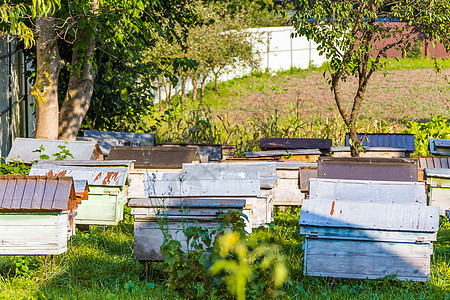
<point x="14" y="167"/>
<point x="347" y="33"/>
<point x="223" y="259"/>
<point x="437" y="128"/>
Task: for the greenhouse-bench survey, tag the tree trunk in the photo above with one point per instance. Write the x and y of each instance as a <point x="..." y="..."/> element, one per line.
<point x="216" y="82"/>
<point x="81" y="83"/>
<point x="202" y="87"/>
<point x="183" y="89"/>
<point x="45" y="89"/>
<point x="354" y="145"/>
<point x="194" y="89"/>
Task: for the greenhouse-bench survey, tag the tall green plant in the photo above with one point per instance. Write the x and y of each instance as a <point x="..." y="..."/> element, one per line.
<point x="437" y="128"/>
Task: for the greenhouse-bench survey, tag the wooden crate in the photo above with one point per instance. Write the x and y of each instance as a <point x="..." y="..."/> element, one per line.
<point x="155" y="217"/>
<point x="107" y="191"/>
<point x="438" y="181"/>
<point x="368" y="240"/>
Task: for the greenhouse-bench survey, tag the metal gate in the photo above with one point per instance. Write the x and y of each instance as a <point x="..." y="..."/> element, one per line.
<point x="16" y="114"/>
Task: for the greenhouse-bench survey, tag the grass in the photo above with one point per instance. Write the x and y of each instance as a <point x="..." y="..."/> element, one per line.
<point x="102" y="267"/>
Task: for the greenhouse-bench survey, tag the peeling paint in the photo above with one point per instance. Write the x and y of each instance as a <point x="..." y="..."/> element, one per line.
<point x="332" y="208"/>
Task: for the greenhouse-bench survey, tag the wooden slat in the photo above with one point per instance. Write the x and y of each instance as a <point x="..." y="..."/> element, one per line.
<point x="422" y="163"/>
<point x="49" y="194"/>
<point x="445" y="162"/>
<point x="38" y="194"/>
<point x="430" y="162"/>
<point x="3" y="185"/>
<point x="368" y="191"/>
<point x="440" y="197"/>
<point x="304" y="175"/>
<point x="62" y="193"/>
<point x="294" y="143"/>
<point x="9" y="194"/>
<point x="28" y="193"/>
<point x="361" y="260"/>
<point x="379" y="216"/>
<point x="18" y="193"/>
<point x="437" y="162"/>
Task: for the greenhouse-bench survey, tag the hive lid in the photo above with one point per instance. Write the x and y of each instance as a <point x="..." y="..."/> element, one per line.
<point x="434" y="172"/>
<point x="294" y="143"/>
<point x="396" y="140"/>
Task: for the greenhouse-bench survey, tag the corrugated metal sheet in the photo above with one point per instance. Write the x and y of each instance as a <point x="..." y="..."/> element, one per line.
<point x="22" y="149"/>
<point x="442" y="173"/>
<point x="358" y="168"/>
<point x="368" y="191"/>
<point x="108" y="139"/>
<point x="266" y="170"/>
<point x="440" y="146"/>
<point x="395" y="140"/>
<point x="293" y="143"/>
<point x="213" y="151"/>
<point x="188" y="184"/>
<point x="36" y="193"/>
<point x="283" y="153"/>
<point x="94" y="176"/>
<point x="379" y="216"/>
<point x="155" y="157"/>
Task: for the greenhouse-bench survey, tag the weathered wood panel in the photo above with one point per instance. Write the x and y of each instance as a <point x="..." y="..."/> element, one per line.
<point x="213" y="152"/>
<point x="262" y="211"/>
<point x="371" y="260"/>
<point x="155" y="157"/>
<point x="440" y="197"/>
<point x="266" y="170"/>
<point x="282" y="153"/>
<point x="100" y="210"/>
<point x="189" y="184"/>
<point x="287" y="196"/>
<point x="371" y="152"/>
<point x="148" y="236"/>
<point x="380" y="216"/>
<point x="33" y="234"/>
<point x="108" y="139"/>
<point x="368" y="191"/>
<point x="391" y="140"/>
<point x="384" y="169"/>
<point x="294" y="143"/>
<point x="305" y="174"/>
<point x="354" y="234"/>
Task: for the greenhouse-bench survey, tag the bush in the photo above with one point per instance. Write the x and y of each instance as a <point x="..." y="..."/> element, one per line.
<point x="437" y="128"/>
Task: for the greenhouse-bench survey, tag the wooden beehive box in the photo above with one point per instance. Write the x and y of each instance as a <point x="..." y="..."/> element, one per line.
<point x="107" y="139"/>
<point x="386" y="223"/>
<point x="262" y="207"/>
<point x="440" y="146"/>
<point x="206" y="152"/>
<point x="438" y="181"/>
<point x="22" y="150"/>
<point x="36" y="214"/>
<point x="186" y="198"/>
<point x="433" y="162"/>
<point x="107" y="191"/>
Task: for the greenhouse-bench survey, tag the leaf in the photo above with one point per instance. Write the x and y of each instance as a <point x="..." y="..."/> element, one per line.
<point x="124" y="94"/>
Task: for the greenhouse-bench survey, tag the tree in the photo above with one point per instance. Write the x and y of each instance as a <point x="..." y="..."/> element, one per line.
<point x="119" y="28"/>
<point x="347" y="32"/>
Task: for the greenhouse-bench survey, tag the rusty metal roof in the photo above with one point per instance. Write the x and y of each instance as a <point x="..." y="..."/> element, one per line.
<point x="22" y="149"/>
<point x="395" y="140"/>
<point x="109" y="139"/>
<point x="94" y="176"/>
<point x="36" y="193"/>
<point x="155" y="157"/>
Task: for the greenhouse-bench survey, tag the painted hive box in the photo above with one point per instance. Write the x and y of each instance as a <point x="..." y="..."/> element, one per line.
<point x="22" y="150"/>
<point x="440" y="146"/>
<point x="36" y="214"/>
<point x="262" y="207"/>
<point x="206" y="152"/>
<point x="368" y="229"/>
<point x="107" y="191"/>
<point x="432" y="162"/>
<point x="438" y="181"/>
<point x="109" y="139"/>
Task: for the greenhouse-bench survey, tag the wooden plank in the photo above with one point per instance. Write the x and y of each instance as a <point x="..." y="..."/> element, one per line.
<point x="3" y="185"/>
<point x="213" y="152"/>
<point x="49" y="194"/>
<point x="380" y="216"/>
<point x="294" y="143"/>
<point x="284" y="153"/>
<point x="368" y="191"/>
<point x="422" y="163"/>
<point x="430" y="162"/>
<point x="371" y="260"/>
<point x="232" y="203"/>
<point x="305" y="174"/>
<point x="9" y="194"/>
<point x="437" y="162"/>
<point x="201" y="184"/>
<point x="28" y="193"/>
<point x="437" y="173"/>
<point x="287" y="197"/>
<point x="38" y="196"/>
<point x="440" y="197"/>
<point x="266" y="170"/>
<point x="385" y="169"/>
<point x="445" y="162"/>
<point x="98" y="210"/>
<point x="353" y="234"/>
<point x="18" y="193"/>
<point x="62" y="194"/>
<point x="438" y="182"/>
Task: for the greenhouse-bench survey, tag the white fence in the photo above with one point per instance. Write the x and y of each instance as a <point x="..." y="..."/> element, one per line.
<point x="279" y="50"/>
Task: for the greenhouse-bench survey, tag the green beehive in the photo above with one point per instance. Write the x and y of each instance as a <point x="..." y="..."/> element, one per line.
<point x="438" y="181"/>
<point x="107" y="191"/>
